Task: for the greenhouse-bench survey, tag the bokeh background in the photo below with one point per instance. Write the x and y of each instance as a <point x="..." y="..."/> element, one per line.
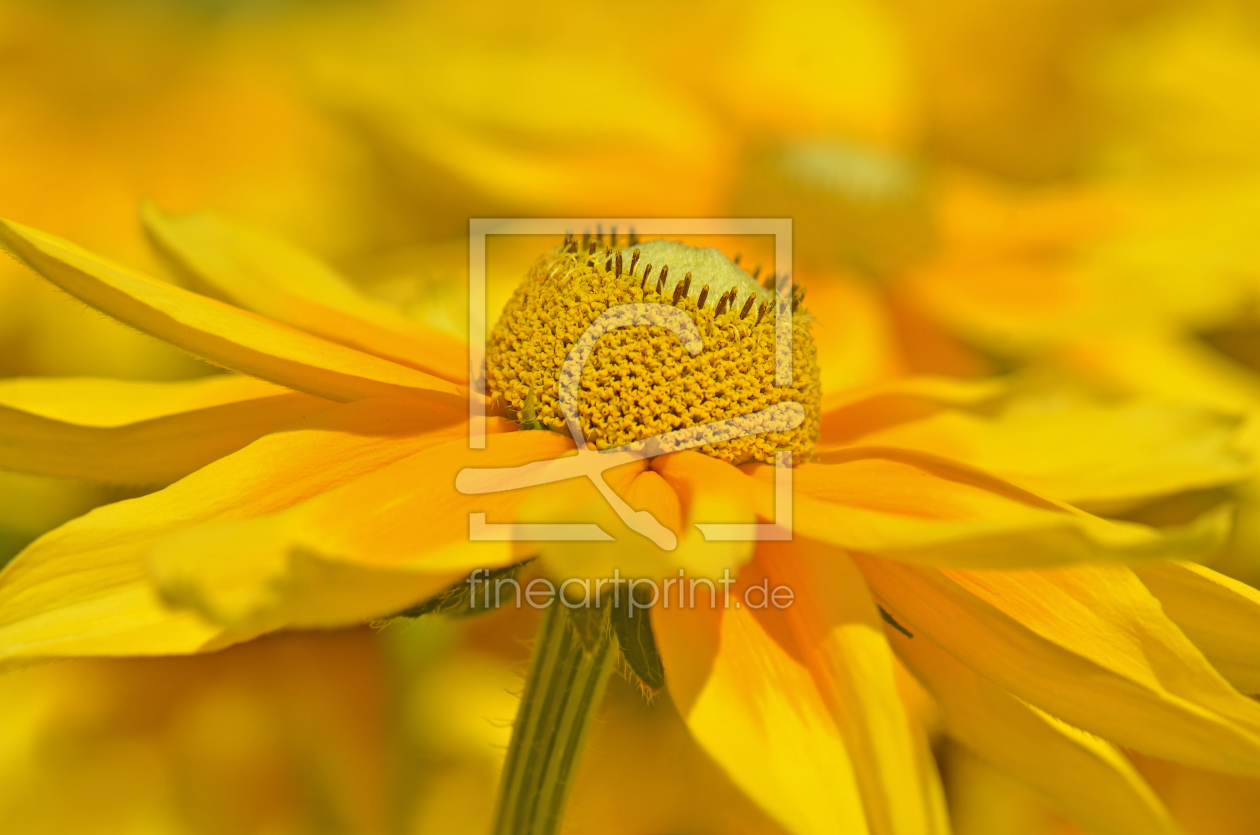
<point x="1059" y="191"/>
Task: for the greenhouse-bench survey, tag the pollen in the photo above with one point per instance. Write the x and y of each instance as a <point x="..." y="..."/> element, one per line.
<point x="641" y="381"/>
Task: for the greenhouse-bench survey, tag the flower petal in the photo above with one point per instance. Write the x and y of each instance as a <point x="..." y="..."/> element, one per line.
<point x="1219" y="614"/>
<point x="137" y="433"/>
<point x="1088" y="644"/>
<point x="758" y="713"/>
<point x="839" y="637"/>
<point x="917" y="507"/>
<point x="217" y="332"/>
<point x="1084" y="777"/>
<point x="367" y="549"/>
<point x="850" y="414"/>
<point x="1085" y="453"/>
<point x="275" y="279"/>
<point x="85" y="588"/>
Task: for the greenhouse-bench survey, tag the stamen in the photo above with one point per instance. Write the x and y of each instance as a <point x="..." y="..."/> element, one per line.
<point x="634" y="259"/>
<point x="704" y="294"/>
<point x="747" y="307"/>
<point x="618" y="265"/>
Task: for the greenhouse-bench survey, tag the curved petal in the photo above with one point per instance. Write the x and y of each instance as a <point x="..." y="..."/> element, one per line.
<point x="852" y="413"/>
<point x="1082" y="776"/>
<point x="136" y="433"/>
<point x="757" y="712"/>
<point x="280" y="281"/>
<point x="85" y="588"/>
<point x="1088" y="644"/>
<point x="916" y="507"/>
<point x="1219" y="614"/>
<point x="217" y="332"/>
<point x="1085" y="453"/>
<point x="366" y="549"/>
<point x="838" y="636"/>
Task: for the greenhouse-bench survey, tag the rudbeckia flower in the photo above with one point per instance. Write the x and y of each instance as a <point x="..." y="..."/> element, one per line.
<point x="316" y="486"/>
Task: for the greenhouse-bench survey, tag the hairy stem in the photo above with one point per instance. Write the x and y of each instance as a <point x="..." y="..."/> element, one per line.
<point x="567" y="673"/>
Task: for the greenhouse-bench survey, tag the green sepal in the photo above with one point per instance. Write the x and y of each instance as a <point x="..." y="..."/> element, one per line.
<point x="457" y="601"/>
<point x="633" y="629"/>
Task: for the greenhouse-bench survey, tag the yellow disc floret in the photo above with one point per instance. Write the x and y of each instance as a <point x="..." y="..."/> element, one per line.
<point x="640" y="381"/>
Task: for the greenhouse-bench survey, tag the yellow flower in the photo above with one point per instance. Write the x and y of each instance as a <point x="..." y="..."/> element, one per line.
<point x="322" y="493"/>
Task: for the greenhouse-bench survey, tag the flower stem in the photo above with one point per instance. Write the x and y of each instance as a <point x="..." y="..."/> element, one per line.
<point x="567" y="673"/>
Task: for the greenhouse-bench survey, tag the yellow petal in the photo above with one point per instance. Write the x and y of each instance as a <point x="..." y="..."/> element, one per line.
<point x="917" y="507"/>
<point x="85" y="588"/>
<point x="852" y="413"/>
<point x="275" y="279"/>
<point x="137" y="433"/>
<point x="217" y="332"/>
<point x="1085" y="453"/>
<point x="1082" y="776"/>
<point x="757" y="712"/>
<point x="1088" y="644"/>
<point x="840" y="640"/>
<point x="367" y="549"/>
<point x="1219" y="614"/>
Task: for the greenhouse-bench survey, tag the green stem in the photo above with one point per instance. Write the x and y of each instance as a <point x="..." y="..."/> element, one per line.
<point x="562" y="692"/>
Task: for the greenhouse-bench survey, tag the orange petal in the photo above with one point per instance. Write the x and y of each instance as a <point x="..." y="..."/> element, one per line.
<point x="366" y="549"/>
<point x="85" y="588"/>
<point x="838" y="636"/>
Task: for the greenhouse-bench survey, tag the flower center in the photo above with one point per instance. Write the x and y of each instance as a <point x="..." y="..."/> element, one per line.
<point x="640" y="381"/>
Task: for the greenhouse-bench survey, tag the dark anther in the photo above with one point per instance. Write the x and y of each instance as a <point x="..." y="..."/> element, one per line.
<point x="646" y="271"/>
<point x="586" y="238"/>
<point x="664" y="273"/>
<point x="770" y="281"/>
<point x="612" y="236"/>
<point x="618" y="265"/>
<point x="761" y="311"/>
<point x="599" y="232"/>
<point x="590" y="250"/>
<point x="634" y="239"/>
<point x="686" y="284"/>
<point x="704" y="294"/>
<point x="738" y="256"/>
<point x="608" y="265"/>
<point x="721" y="305"/>
<point x="634" y="260"/>
<point x="679" y="289"/>
<point x="747" y="306"/>
<point x="756" y="272"/>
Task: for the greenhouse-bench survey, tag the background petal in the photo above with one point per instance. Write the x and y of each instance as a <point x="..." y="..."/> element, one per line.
<point x="275" y="279"/>
<point x="217" y="332"/>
